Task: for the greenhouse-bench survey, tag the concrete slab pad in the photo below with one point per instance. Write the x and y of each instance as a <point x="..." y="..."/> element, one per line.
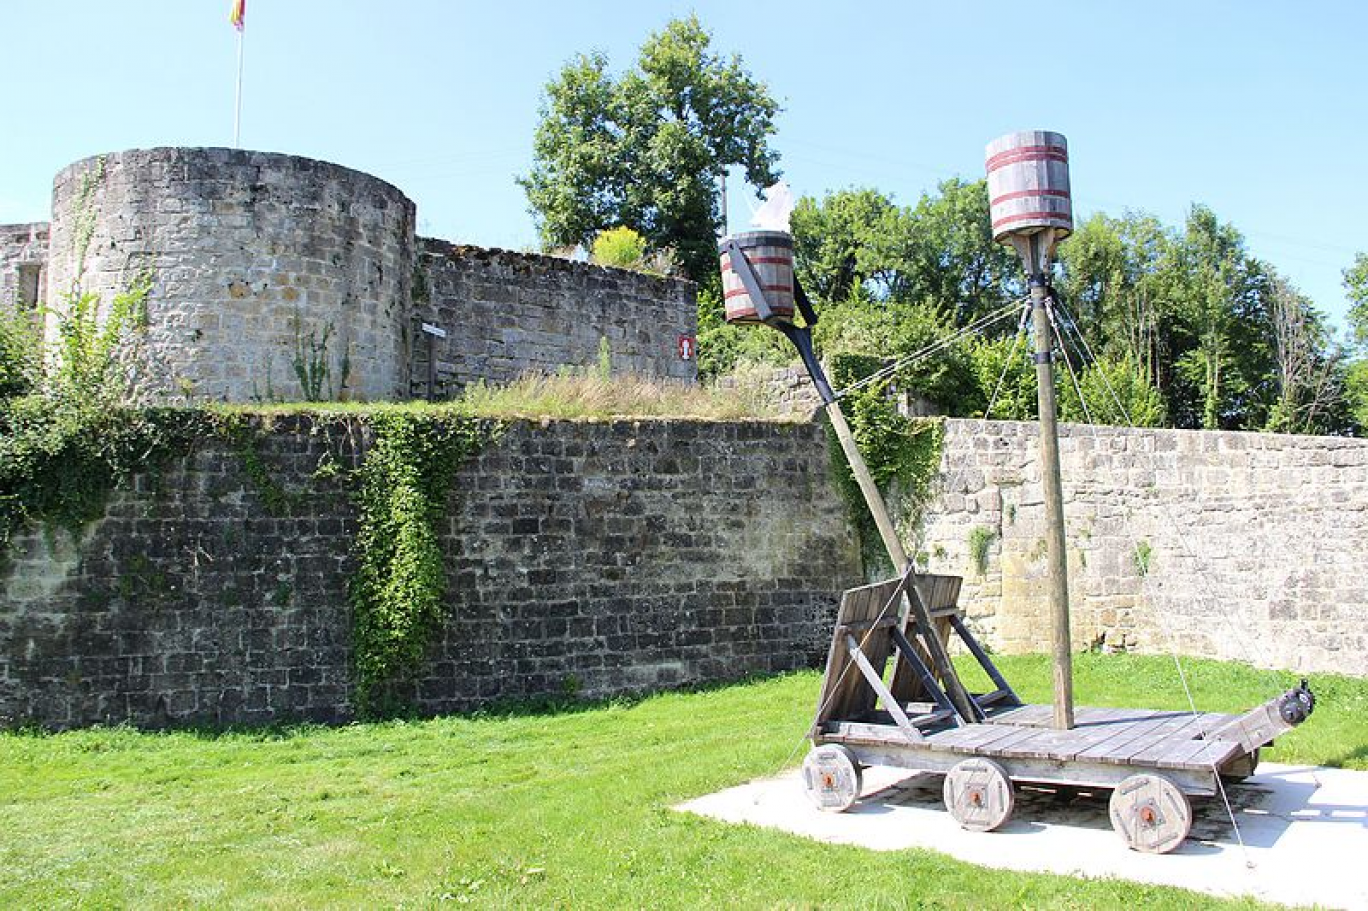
<point x="1305" y="831"/>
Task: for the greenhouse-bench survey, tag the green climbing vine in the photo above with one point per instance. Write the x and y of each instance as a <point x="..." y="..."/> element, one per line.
<point x="399" y="587"/>
<point x="900" y="451"/>
<point x="981" y="538"/>
<point x="61" y="459"/>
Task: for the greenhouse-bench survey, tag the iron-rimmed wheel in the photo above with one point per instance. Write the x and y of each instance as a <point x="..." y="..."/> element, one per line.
<point x="1150" y="813"/>
<point x="832" y="777"/>
<point x="979" y="794"/>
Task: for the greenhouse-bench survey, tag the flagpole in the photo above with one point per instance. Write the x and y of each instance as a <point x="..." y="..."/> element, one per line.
<point x="237" y="107"/>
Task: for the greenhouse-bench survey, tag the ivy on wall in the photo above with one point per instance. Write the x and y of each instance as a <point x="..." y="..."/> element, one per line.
<point x="60" y="462"/>
<point x="398" y="592"/>
<point x="903" y="453"/>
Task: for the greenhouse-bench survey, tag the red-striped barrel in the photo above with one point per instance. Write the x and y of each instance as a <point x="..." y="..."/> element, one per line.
<point x="1028" y="184"/>
<point x="770" y="254"/>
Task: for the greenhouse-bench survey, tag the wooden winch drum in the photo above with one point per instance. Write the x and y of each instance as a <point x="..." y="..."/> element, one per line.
<point x="770" y="254"/>
<point x="1028" y="184"/>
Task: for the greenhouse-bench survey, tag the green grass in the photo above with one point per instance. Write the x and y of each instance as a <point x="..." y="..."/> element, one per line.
<point x="565" y="809"/>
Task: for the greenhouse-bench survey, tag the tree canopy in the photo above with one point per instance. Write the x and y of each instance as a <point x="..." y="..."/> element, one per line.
<point x="1183" y="326"/>
<point x="644" y="150"/>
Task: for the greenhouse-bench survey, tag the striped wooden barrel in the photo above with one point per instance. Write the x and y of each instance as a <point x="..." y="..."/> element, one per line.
<point x="770" y="254"/>
<point x="1028" y="184"/>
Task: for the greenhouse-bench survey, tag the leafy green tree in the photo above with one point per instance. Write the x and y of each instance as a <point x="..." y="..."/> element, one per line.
<point x="1004" y="377"/>
<point x="946" y="253"/>
<point x="1114" y="391"/>
<point x="939" y="252"/>
<point x="1309" y="378"/>
<point x="645" y="149"/>
<point x="883" y="332"/>
<point x="1356" y="371"/>
<point x="833" y="240"/>
<point x="1356" y="392"/>
<point x="1108" y="276"/>
<point x="1356" y="284"/>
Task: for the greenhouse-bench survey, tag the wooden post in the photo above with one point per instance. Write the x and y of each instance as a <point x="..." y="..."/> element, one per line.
<point x="873" y="498"/>
<point x="1054" y="507"/>
<point x="936" y="652"/>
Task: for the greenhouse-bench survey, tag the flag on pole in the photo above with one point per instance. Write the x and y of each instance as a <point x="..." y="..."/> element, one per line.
<point x="238" y="16"/>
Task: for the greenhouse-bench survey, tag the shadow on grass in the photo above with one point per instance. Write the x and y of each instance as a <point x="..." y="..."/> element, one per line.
<point x="497" y="710"/>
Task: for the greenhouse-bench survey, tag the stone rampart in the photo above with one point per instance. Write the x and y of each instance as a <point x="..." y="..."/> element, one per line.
<point x="506" y="314"/>
<point x="276" y="277"/>
<point x="260" y="263"/>
<point x="583" y="558"/>
<point x="1241" y="546"/>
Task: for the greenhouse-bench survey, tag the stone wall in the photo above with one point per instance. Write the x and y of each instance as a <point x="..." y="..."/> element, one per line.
<point x="256" y="258"/>
<point x="267" y="265"/>
<point x="506" y="314"/>
<point x="1254" y="544"/>
<point x="589" y="558"/>
<point x="23" y="264"/>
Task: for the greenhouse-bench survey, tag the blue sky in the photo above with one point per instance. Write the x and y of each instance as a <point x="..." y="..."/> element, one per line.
<point x="1256" y="109"/>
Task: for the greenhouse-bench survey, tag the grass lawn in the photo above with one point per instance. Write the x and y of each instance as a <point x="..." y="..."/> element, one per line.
<point x="567" y="809"/>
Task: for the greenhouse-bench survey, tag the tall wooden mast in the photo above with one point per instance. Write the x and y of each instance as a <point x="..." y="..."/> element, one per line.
<point x="1031" y="209"/>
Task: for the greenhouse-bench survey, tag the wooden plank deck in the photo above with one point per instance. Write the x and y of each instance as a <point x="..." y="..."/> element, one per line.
<point x="1134" y="737"/>
<point x="1125" y="737"/>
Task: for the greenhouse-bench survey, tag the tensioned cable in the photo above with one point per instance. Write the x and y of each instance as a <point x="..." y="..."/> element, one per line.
<point x="1078" y="387"/>
<point x="1210" y="595"/>
<point x="972" y="328"/>
<point x="1007" y="365"/>
<point x="940" y="344"/>
<point x="1145" y="585"/>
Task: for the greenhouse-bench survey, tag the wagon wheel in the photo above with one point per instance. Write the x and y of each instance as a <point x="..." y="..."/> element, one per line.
<point x="979" y="794"/>
<point x="1150" y="813"/>
<point x="832" y="777"/>
<point x="1241" y="767"/>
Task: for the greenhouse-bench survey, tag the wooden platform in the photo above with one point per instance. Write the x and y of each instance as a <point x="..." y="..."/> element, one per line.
<point x="1104" y="747"/>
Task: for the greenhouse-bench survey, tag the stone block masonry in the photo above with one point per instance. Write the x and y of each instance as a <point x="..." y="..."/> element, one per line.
<point x="1242" y="546"/>
<point x="279" y="278"/>
<point x="583" y="558"/>
<point x="507" y="314"/>
<point x="23" y="265"/>
<point x="255" y="258"/>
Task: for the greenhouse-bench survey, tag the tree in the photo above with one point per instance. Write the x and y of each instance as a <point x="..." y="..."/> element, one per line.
<point x="1310" y="376"/>
<point x="1109" y="281"/>
<point x="833" y="239"/>
<point x="1356" y="284"/>
<point x="939" y="252"/>
<point x="1356" y="372"/>
<point x="645" y="150"/>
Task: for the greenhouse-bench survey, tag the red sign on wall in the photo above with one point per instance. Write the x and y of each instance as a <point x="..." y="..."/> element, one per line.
<point x="688" y="347"/>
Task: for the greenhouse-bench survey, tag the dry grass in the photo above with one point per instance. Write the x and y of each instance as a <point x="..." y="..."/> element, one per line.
<point x="593" y="396"/>
<point x="567" y="396"/>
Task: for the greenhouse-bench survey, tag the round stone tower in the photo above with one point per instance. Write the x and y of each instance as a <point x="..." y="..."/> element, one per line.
<point x="272" y="276"/>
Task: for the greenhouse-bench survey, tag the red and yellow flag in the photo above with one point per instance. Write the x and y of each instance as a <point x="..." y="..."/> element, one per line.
<point x="238" y="15"/>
